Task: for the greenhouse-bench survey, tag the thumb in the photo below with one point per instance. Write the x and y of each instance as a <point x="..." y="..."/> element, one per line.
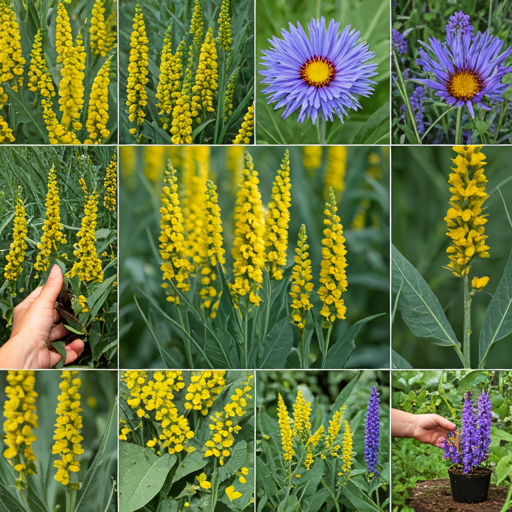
<point x="53" y="286"/>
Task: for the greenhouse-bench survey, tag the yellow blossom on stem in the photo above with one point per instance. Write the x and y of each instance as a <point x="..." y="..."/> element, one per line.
<point x="285" y="430"/>
<point x="311" y="445"/>
<point x="124" y="430"/>
<point x="197" y="23"/>
<point x="111" y="30"/>
<point x="232" y="494"/>
<point x="175" y="267"/>
<point x="182" y="113"/>
<point x="67" y="429"/>
<point x="203" y="389"/>
<point x="347" y="451"/>
<point x="277" y="220"/>
<point x="210" y="293"/>
<point x="235" y="165"/>
<point x="98" y="35"/>
<point x="154" y="163"/>
<point x="248" y="246"/>
<point x="335" y="169"/>
<point x="20" y="413"/>
<point x="18" y="248"/>
<point x="465" y="219"/>
<point x="52" y="228"/>
<point x="128" y="159"/>
<point x="12" y="60"/>
<point x="137" y="98"/>
<point x="110" y="185"/>
<point x="5" y="131"/>
<point x="312" y="159"/>
<point x="333" y="277"/>
<point x="37" y="63"/>
<point x="333" y="430"/>
<point x="225" y="26"/>
<point x="88" y="265"/>
<point x="207" y="75"/>
<point x="97" y="115"/>
<point x="82" y="300"/>
<point x="229" y="95"/>
<point x="479" y="283"/>
<point x="301" y="285"/>
<point x="245" y="131"/>
<point x="203" y="481"/>
<point x="301" y="417"/>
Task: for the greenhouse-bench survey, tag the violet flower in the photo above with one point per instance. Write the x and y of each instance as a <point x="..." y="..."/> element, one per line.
<point x="372" y="433"/>
<point x="484" y="426"/>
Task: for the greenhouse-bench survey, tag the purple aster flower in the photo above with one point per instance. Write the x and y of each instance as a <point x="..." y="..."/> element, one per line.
<point x="399" y="42"/>
<point x="372" y="432"/>
<point x="459" y="22"/>
<point x="466" y="69"/>
<point x="484" y="426"/>
<point x="321" y="73"/>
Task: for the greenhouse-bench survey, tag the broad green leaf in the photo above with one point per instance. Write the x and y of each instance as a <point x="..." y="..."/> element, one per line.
<point x="472" y="379"/>
<point x="289" y="504"/>
<point x="265" y="478"/>
<point x="338" y="354"/>
<point x="419" y="306"/>
<point x="314" y="502"/>
<point x="345" y="393"/>
<point x="373" y="129"/>
<point x="235" y="461"/>
<point x="498" y="317"/>
<point x="398" y="362"/>
<point x="192" y="462"/>
<point x="277" y="345"/>
<point x="142" y="474"/>
<point x="351" y="494"/>
<point x="60" y="347"/>
<point x="504" y="468"/>
<point x="311" y="479"/>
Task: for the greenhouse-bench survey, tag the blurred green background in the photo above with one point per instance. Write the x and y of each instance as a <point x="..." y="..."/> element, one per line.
<point x="420" y="195"/>
<point x="365" y="198"/>
<point x="98" y="401"/>
<point x="371" y="19"/>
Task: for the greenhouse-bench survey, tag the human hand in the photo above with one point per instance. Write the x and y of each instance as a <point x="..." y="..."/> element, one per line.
<point x="35" y="327"/>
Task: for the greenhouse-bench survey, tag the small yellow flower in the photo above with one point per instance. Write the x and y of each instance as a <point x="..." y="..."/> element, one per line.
<point x="110" y="185"/>
<point x="285" y="429"/>
<point x="203" y="482"/>
<point x="206" y="79"/>
<point x="232" y="494"/>
<point x="225" y="26"/>
<point x="335" y="169"/>
<point x="197" y="23"/>
<point x="229" y="95"/>
<point x="18" y="248"/>
<point x="311" y="444"/>
<point x="204" y="387"/>
<point x="312" y="159"/>
<point x="479" y="283"/>
<point x="97" y="115"/>
<point x="301" y="417"/>
<point x="99" y="36"/>
<point x="245" y="132"/>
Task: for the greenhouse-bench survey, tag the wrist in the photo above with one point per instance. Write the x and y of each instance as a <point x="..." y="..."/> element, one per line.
<point x="12" y="354"/>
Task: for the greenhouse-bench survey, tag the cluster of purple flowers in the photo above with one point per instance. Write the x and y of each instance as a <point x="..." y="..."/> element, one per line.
<point x="399" y="42"/>
<point x="459" y="22"/>
<point x="418" y="110"/>
<point x="471" y="447"/>
<point x="372" y="433"/>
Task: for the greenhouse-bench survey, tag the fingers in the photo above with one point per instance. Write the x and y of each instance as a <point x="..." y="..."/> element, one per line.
<point x="53" y="286"/>
<point x="58" y="332"/>
<point x="443" y="422"/>
<point x="56" y="316"/>
<point x="73" y="350"/>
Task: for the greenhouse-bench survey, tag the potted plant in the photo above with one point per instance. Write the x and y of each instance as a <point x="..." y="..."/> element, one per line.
<point x="468" y="448"/>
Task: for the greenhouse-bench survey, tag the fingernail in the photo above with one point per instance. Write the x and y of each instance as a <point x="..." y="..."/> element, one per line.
<point x="54" y="272"/>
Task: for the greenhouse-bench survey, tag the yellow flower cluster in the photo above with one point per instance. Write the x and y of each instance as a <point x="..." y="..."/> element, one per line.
<point x="214" y="250"/>
<point x="232" y="494"/>
<point x="82" y="300"/>
<point x="311" y="158"/>
<point x="154" y="157"/>
<point x="224" y="424"/>
<point x="348" y="454"/>
<point x="285" y="429"/>
<point x="301" y="285"/>
<point x="124" y="430"/>
<point x="311" y="444"/>
<point x="333" y="278"/>
<point x="204" y="387"/>
<point x="97" y="114"/>
<point x="67" y="432"/>
<point x="465" y="218"/>
<point x="182" y="114"/>
<point x="333" y="431"/>
<point x="335" y="169"/>
<point x="203" y="481"/>
<point x="301" y="417"/>
<point x="175" y="266"/>
<point x="197" y="23"/>
<point x="248" y="246"/>
<point x="20" y="414"/>
<point x="229" y="95"/>
<point x="12" y="60"/>
<point x="18" y="248"/>
<point x="245" y="131"/>
<point x="207" y="75"/>
<point x="52" y="228"/>
<point x="88" y="265"/>
<point x="110" y="185"/>
<point x="99" y="37"/>
<point x="5" y="131"/>
<point x="137" y="97"/>
<point x="479" y="283"/>
<point x="38" y="65"/>
<point x="277" y="220"/>
<point x="235" y="165"/>
<point x="225" y="38"/>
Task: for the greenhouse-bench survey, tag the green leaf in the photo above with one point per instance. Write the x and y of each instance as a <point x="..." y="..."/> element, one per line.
<point x="338" y="354"/>
<point x="142" y="474"/>
<point x="99" y="296"/>
<point x="419" y="306"/>
<point x="311" y="479"/>
<point x="289" y="504"/>
<point x="192" y="462"/>
<point x="398" y="362"/>
<point x="235" y="462"/>
<point x="504" y="468"/>
<point x="313" y="503"/>
<point x="265" y="478"/>
<point x="277" y="345"/>
<point x="376" y="126"/>
<point x="498" y="317"/>
<point x="353" y="495"/>
<point x="345" y="393"/>
<point x="471" y="380"/>
<point x="60" y="347"/>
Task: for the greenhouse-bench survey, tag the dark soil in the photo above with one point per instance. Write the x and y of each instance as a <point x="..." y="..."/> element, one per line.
<point x="435" y="496"/>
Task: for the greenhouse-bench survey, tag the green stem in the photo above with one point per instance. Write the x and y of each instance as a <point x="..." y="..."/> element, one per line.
<point x="246" y="335"/>
<point x="187" y="342"/>
<point x="321" y="129"/>
<point x="326" y="347"/>
<point x="215" y="487"/>
<point x="467" y="321"/>
<point x="437" y="120"/>
<point x="70" y="500"/>
<point x="318" y="8"/>
<point x="490" y="15"/>
<point x="458" y="133"/>
<point x="332" y="495"/>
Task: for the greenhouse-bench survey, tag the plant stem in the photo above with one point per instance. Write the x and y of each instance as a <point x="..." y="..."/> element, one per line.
<point x="490" y="15"/>
<point x="187" y="343"/>
<point x="332" y="495"/>
<point x="321" y="129"/>
<point x="324" y="353"/>
<point x="70" y="500"/>
<point x="215" y="487"/>
<point x="458" y="133"/>
<point x="246" y="335"/>
<point x="467" y="321"/>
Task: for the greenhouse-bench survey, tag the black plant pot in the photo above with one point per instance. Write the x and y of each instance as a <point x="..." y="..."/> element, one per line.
<point x="470" y="487"/>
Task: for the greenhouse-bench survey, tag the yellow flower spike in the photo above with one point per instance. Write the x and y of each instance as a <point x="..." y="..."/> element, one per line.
<point x="333" y="277"/>
<point x="232" y="494"/>
<point x="277" y="220"/>
<point x="229" y="95"/>
<point x="18" y="247"/>
<point x="301" y="285"/>
<point x="10" y="47"/>
<point x="465" y="219"/>
<point x="52" y="227"/>
<point x="248" y="246"/>
<point x="111" y="30"/>
<point x="312" y="159"/>
<point x="137" y="98"/>
<point x="334" y="176"/>
<point x="154" y="163"/>
<point x="67" y="429"/>
<point x="245" y="131"/>
<point x="202" y="157"/>
<point x="333" y="430"/>
<point x="98" y="35"/>
<point x="197" y="23"/>
<point x="479" y="283"/>
<point x="182" y="113"/>
<point x="20" y="413"/>
<point x="175" y="267"/>
<point x="347" y="450"/>
<point x="210" y="293"/>
<point x="88" y="265"/>
<point x="97" y="115"/>
<point x="225" y="38"/>
<point x="127" y="159"/>
<point x="204" y="387"/>
<point x="110" y="185"/>
<point x="285" y="429"/>
<point x="37" y="63"/>
<point x="301" y="417"/>
<point x="206" y="79"/>
<point x="235" y="165"/>
<point x="311" y="445"/>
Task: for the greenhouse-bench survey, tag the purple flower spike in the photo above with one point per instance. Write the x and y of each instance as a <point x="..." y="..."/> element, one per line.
<point x="459" y="22"/>
<point x="417" y="105"/>
<point x="399" y="42"/>
<point x="322" y="72"/>
<point x="484" y="426"/>
<point x="451" y="447"/>
<point x="470" y="436"/>
<point x="372" y="433"/>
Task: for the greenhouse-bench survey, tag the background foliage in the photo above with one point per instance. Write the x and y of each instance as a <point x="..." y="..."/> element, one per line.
<point x="29" y="167"/>
<point x="441" y="392"/>
<point x="369" y="125"/>
<point x="420" y="202"/>
<point x="367" y="248"/>
<point x="98" y="464"/>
